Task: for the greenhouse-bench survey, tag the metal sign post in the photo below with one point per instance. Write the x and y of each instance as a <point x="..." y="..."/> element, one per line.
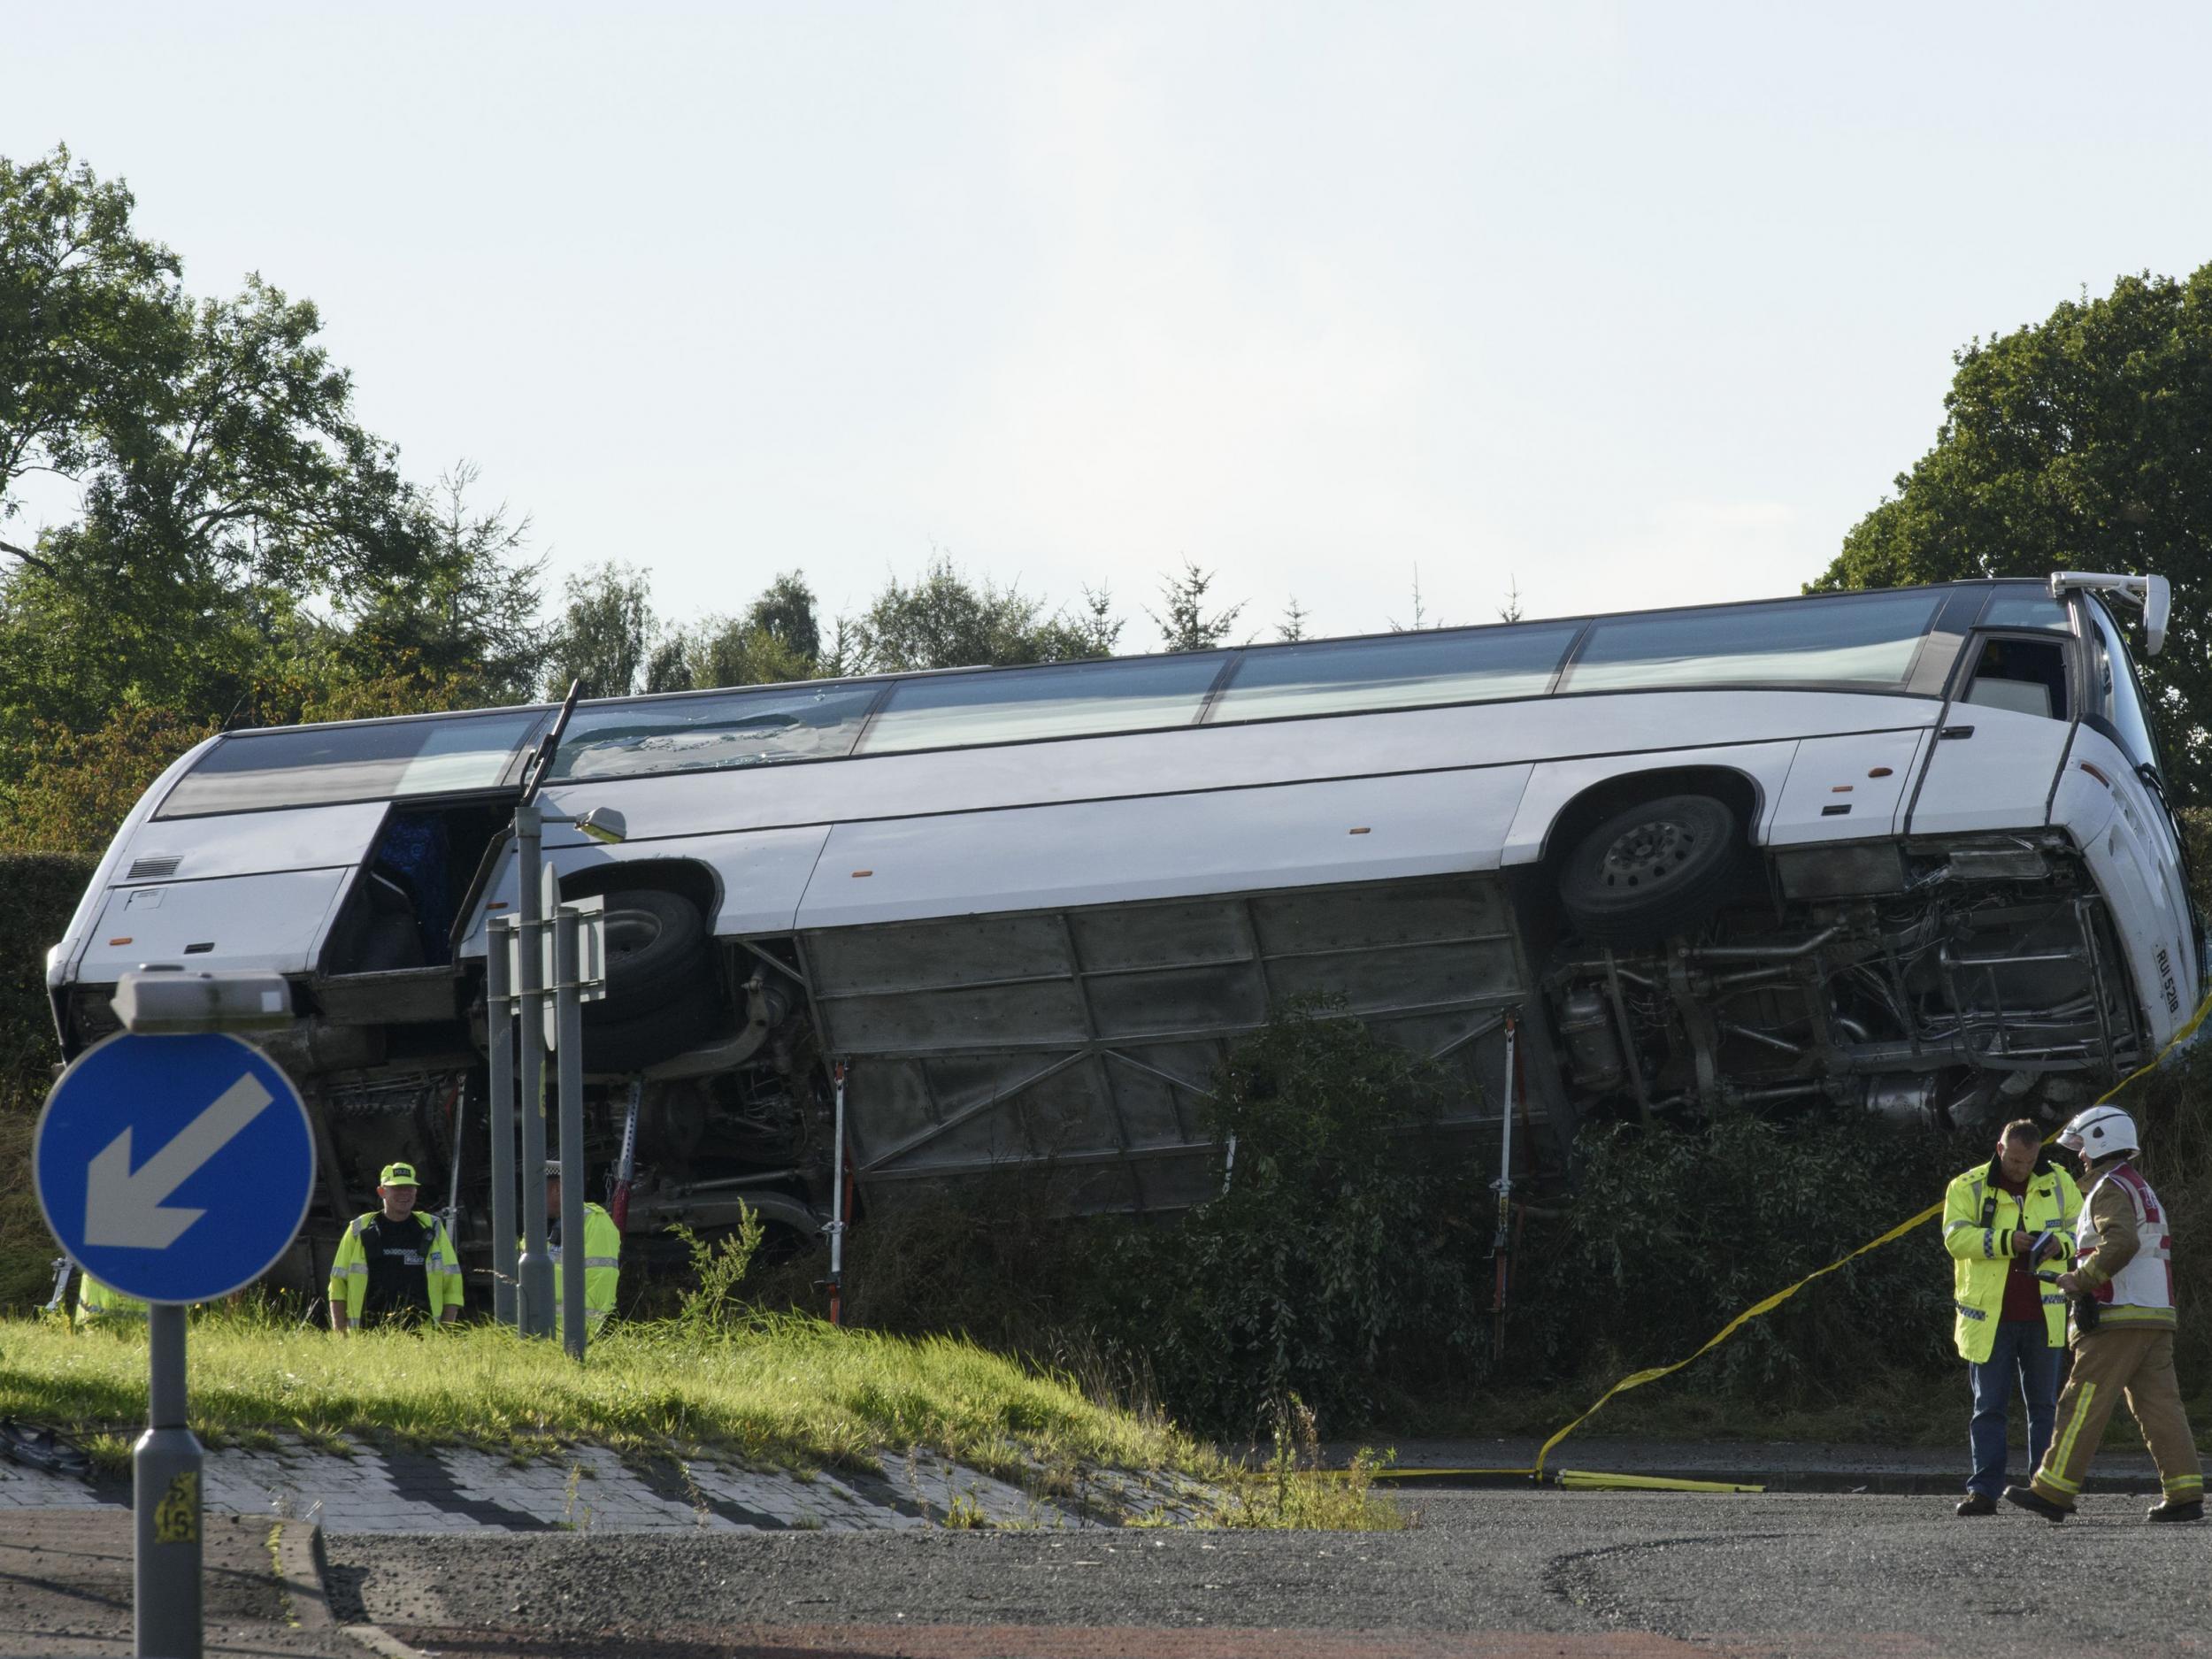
<point x="1502" y="1240"/>
<point x="536" y="1272"/>
<point x="570" y="1053"/>
<point x="175" y="1168"/>
<point x="571" y="971"/>
<point x="537" y="898"/>
<point x="836" y="1227"/>
<point x="499" y="1034"/>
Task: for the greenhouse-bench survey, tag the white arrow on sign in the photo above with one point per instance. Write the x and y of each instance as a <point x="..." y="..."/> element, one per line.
<point x="125" y="1208"/>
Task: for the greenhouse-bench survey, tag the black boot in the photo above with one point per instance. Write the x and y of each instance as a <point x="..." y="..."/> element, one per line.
<point x="2177" y="1509"/>
<point x="2035" y="1503"/>
<point x="1977" y="1503"/>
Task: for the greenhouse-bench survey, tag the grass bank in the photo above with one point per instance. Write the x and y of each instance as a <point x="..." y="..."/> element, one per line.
<point x="777" y="1391"/>
<point x="786" y="1391"/>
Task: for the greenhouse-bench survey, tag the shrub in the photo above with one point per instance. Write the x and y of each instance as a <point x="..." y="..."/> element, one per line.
<point x="1338" y="1268"/>
<point x="1670" y="1233"/>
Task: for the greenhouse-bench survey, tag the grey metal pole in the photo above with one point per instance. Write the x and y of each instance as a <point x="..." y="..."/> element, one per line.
<point x="837" y="1228"/>
<point x="165" y="1493"/>
<point x="537" y="1266"/>
<point x="569" y="1011"/>
<point x="499" y="1015"/>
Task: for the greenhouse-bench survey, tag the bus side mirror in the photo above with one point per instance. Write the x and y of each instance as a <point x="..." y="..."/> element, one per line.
<point x="603" y="825"/>
<point x="2158" y="604"/>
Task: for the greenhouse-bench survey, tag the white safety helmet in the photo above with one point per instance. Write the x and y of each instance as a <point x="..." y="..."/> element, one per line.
<point x="2101" y="1132"/>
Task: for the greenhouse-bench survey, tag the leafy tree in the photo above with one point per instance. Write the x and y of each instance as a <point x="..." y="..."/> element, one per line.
<point x="2076" y="443"/>
<point x="604" y="638"/>
<point x="93" y="324"/>
<point x="234" y="523"/>
<point x="785" y="612"/>
<point x="77" y="788"/>
<point x="776" y="639"/>
<point x="243" y="489"/>
<point x="466" y="616"/>
<point x="944" y="621"/>
<point x="1187" y="626"/>
<point x="1293" y="627"/>
<point x="722" y="651"/>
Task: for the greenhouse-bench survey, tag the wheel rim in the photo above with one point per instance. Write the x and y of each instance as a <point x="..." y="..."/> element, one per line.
<point x="629" y="932"/>
<point x="1645" y="855"/>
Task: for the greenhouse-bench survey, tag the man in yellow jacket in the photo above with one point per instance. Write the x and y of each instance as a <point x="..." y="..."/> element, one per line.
<point x="2002" y="1221"/>
<point x="601" y="1254"/>
<point x="395" y="1265"/>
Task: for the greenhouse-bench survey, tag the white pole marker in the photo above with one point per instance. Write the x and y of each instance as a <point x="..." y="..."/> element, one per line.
<point x="124" y="1208"/>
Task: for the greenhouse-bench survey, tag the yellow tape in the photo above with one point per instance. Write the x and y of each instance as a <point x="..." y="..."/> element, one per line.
<point x="1574" y="1479"/>
<point x="1637" y="1379"/>
<point x="1583" y="1480"/>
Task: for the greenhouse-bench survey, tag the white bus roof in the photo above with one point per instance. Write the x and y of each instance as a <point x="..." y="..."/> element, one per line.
<point x="1865" y="641"/>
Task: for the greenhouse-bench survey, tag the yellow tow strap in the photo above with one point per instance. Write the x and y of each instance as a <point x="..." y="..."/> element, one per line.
<point x="1585" y="1480"/>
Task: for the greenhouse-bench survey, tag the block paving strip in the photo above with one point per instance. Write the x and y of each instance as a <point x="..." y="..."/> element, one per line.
<point x="587" y="1488"/>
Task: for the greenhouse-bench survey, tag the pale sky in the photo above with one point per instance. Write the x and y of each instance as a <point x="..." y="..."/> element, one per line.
<point x="1626" y="304"/>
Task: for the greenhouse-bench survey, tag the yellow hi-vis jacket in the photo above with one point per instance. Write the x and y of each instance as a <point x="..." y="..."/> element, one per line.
<point x="602" y="1264"/>
<point x="104" y="1304"/>
<point x="1979" y="1218"/>
<point x="350" y="1269"/>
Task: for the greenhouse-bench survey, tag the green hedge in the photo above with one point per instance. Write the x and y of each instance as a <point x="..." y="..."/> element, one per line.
<point x="43" y="889"/>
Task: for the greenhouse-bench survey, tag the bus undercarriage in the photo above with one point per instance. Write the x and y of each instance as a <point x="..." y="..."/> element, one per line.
<point x="1953" y="983"/>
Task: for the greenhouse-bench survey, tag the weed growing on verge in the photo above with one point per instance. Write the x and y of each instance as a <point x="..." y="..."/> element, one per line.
<point x="719" y="1266"/>
<point x="1294" y="1488"/>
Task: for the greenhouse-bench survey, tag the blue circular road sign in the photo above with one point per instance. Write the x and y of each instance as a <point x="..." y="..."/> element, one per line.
<point x="175" y="1169"/>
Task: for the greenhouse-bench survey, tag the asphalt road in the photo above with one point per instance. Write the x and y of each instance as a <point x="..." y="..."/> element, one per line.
<point x="1562" y="1575"/>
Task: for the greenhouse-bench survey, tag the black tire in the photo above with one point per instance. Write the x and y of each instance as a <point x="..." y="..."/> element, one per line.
<point x="1657" y="869"/>
<point x="658" y="951"/>
<point x="651" y="1035"/>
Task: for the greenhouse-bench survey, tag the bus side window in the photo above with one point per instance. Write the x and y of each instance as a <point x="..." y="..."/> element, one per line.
<point x="2026" y="676"/>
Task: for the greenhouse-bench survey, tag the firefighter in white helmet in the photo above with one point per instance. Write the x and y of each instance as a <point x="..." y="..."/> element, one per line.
<point x="2123" y="1291"/>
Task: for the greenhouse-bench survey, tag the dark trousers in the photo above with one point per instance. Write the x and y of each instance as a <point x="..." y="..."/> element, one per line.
<point x="2022" y="1360"/>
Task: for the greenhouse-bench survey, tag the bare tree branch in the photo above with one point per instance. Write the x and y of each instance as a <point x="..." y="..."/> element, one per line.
<point x="29" y="557"/>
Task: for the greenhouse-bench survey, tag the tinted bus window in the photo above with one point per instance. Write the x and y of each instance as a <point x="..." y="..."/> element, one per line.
<point x="1865" y="640"/>
<point x="1065" y="700"/>
<point x="320" y="766"/>
<point x="758" y="726"/>
<point x="2018" y="605"/>
<point x="1400" y="671"/>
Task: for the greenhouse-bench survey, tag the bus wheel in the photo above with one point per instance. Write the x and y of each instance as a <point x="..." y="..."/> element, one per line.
<point x="1653" y="870"/>
<point x="657" y="950"/>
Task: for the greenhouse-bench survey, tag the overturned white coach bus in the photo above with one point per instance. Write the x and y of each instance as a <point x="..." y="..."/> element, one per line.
<point x="1904" y="852"/>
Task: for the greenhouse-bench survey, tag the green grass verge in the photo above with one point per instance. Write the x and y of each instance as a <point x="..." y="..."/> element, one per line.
<point x="769" y="1390"/>
<point x="787" y="1392"/>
